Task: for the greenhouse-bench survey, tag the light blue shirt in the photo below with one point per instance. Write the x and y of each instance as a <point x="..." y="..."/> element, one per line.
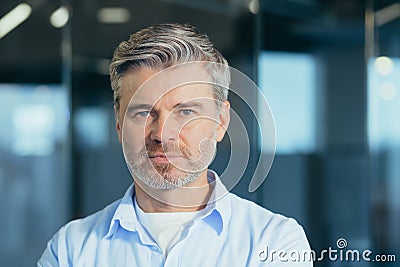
<point x="234" y="232"/>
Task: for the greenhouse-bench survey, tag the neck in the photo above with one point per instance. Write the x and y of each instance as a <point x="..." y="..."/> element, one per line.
<point x="191" y="197"/>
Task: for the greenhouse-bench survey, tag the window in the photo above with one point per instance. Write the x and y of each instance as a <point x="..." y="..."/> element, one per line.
<point x="288" y="82"/>
<point x="34" y="159"/>
<point x="383" y="102"/>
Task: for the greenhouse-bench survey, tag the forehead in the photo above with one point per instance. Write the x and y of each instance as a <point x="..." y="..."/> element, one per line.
<point x="172" y="85"/>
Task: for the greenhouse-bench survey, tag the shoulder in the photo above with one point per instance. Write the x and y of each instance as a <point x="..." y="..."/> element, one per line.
<point x="265" y="226"/>
<point x="98" y="222"/>
<point x="71" y="237"/>
<point x="257" y="213"/>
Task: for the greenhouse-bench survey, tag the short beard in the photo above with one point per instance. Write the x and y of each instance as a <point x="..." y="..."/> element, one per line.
<point x="165" y="176"/>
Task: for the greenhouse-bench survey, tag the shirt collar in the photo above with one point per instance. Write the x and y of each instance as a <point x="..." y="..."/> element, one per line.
<point x="219" y="205"/>
<point x="124" y="215"/>
<point x="218" y="216"/>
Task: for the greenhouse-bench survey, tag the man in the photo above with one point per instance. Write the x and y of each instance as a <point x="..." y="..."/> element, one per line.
<point x="170" y="99"/>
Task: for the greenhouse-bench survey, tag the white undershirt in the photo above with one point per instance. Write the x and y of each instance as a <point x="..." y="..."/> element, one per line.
<point x="166" y="227"/>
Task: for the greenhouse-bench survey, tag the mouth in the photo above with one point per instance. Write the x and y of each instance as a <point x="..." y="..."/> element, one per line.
<point x="163" y="158"/>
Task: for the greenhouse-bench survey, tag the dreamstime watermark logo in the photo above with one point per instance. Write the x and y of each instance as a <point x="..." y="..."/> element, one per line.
<point x="174" y="107"/>
<point x="341" y="243"/>
<point x="340" y="253"/>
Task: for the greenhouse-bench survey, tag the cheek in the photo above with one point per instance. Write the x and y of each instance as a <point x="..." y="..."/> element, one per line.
<point x="193" y="133"/>
<point x="133" y="137"/>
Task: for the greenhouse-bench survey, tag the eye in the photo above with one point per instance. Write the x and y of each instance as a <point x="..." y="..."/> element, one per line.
<point x="143" y="114"/>
<point x="186" y="112"/>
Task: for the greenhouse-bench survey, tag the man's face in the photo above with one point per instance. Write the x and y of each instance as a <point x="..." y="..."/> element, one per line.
<point x="169" y="130"/>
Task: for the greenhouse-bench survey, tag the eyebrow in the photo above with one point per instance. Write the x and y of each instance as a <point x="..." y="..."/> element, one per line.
<point x="135" y="107"/>
<point x="189" y="104"/>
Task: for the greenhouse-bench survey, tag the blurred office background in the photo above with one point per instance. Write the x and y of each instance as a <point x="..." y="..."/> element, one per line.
<point x="330" y="70"/>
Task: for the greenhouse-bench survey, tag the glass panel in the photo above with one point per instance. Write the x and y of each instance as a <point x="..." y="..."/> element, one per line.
<point x="33" y="170"/>
<point x="92" y="127"/>
<point x="295" y="126"/>
<point x="384" y="102"/>
<point x="383" y="47"/>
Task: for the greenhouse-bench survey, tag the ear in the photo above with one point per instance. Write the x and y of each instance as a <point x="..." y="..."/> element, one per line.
<point x="118" y="125"/>
<point x="224" y="118"/>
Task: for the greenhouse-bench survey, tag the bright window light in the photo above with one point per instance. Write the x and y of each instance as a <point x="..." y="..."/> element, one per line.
<point x="92" y="127"/>
<point x="383" y="106"/>
<point x="387" y="91"/>
<point x="288" y="83"/>
<point x="34" y="118"/>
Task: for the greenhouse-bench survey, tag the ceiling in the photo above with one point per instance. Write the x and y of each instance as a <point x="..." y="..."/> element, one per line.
<point x="33" y="50"/>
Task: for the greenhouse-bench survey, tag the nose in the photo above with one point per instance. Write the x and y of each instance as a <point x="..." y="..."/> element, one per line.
<point x="163" y="129"/>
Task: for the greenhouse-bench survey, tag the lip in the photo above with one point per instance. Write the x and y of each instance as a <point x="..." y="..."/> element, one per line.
<point x="163" y="158"/>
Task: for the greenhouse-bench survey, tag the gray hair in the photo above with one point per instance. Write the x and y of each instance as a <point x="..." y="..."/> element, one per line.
<point x="165" y="45"/>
